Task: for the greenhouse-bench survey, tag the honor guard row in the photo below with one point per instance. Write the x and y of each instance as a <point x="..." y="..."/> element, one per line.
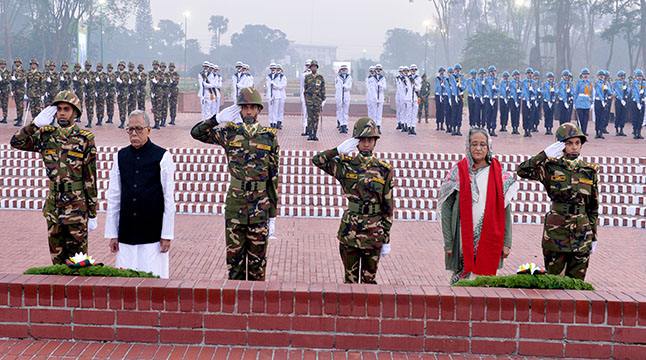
<point x="99" y="89"/>
<point x="407" y="98"/>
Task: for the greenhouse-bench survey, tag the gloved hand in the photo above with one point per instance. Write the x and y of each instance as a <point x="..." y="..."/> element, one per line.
<point x="152" y="95"/>
<point x="323" y="104"/>
<point x="85" y="81"/>
<point x="567" y="106"/>
<point x="119" y="80"/>
<point x="13" y="78"/>
<point x="91" y="224"/>
<point x="593" y="247"/>
<point x="129" y="81"/>
<point x="639" y="106"/>
<point x="347" y="146"/>
<point x="491" y="102"/>
<point x="49" y="79"/>
<point x="272" y="226"/>
<point x="555" y="150"/>
<point x="529" y="104"/>
<point x="154" y="81"/>
<point x="62" y="78"/>
<point x="46" y="117"/>
<point x="98" y="79"/>
<point x="229" y="114"/>
<point x="623" y="102"/>
<point x="568" y="90"/>
<point x="385" y="250"/>
<point x="75" y="78"/>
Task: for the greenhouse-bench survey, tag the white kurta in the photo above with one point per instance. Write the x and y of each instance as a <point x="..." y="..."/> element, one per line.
<point x="145" y="257"/>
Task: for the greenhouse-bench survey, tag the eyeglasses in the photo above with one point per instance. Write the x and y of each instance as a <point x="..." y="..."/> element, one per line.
<point x="137" y="129"/>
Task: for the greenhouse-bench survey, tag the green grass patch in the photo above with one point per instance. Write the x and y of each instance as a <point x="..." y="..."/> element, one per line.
<point x="526" y="281"/>
<point x="87" y="271"/>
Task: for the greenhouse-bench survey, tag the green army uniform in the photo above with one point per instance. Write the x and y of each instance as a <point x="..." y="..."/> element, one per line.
<point x="5" y="81"/>
<point x="154" y="78"/>
<point x="78" y="85"/>
<point x="111" y="93"/>
<point x="18" y="77"/>
<point x="70" y="160"/>
<point x="173" y="90"/>
<point x="90" y="92"/>
<point x="34" y="89"/>
<point x="100" y="83"/>
<point x="163" y="99"/>
<point x="133" y="87"/>
<point x="253" y="158"/>
<point x="571" y="226"/>
<point x="51" y="83"/>
<point x="314" y="90"/>
<point x="122" y="93"/>
<point x="64" y="78"/>
<point x="365" y="225"/>
<point x="424" y="93"/>
<point x="142" y="78"/>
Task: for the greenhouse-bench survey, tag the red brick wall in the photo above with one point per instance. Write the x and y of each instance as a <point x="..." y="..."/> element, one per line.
<point x="325" y="316"/>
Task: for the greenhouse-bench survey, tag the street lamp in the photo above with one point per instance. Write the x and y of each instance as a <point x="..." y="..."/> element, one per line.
<point x="101" y="3"/>
<point x="186" y="16"/>
<point x="427" y="23"/>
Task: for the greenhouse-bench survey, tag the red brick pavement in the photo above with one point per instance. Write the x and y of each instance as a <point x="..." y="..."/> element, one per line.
<point x="306" y="251"/>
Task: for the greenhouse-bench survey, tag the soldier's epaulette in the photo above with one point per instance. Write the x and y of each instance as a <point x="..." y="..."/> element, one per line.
<point x="232" y="126"/>
<point x="593" y="166"/>
<point x="549" y="159"/>
<point x="385" y="164"/>
<point x="345" y="157"/>
<point x="268" y="130"/>
<point x="87" y="134"/>
<point x="48" y="128"/>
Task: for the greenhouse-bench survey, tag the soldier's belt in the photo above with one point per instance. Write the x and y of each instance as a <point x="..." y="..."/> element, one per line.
<point x="64" y="187"/>
<point x="564" y="208"/>
<point x="248" y="185"/>
<point x="365" y="209"/>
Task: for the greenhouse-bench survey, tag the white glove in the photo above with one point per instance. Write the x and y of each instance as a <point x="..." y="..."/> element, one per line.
<point x="46" y="117"/>
<point x="97" y="79"/>
<point x="529" y="104"/>
<point x="491" y="102"/>
<point x="385" y="250"/>
<point x="567" y="106"/>
<point x="323" y="104"/>
<point x="229" y="114"/>
<point x="62" y="78"/>
<point x="623" y="102"/>
<point x="91" y="224"/>
<point x="568" y="90"/>
<point x="639" y="106"/>
<point x="129" y="81"/>
<point x="108" y="79"/>
<point x="593" y="247"/>
<point x="272" y="226"/>
<point x="85" y="81"/>
<point x="152" y="95"/>
<point x="154" y="81"/>
<point x="49" y="79"/>
<point x="555" y="150"/>
<point x="13" y="78"/>
<point x="493" y="87"/>
<point x="550" y="105"/>
<point x="347" y="146"/>
<point x="119" y="80"/>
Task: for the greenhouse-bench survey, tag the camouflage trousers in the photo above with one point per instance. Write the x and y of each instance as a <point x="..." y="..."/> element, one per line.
<point x="172" y="102"/>
<point x="100" y="107"/>
<point x="246" y="250"/>
<point x="4" y="101"/>
<point x="313" y="114"/>
<point x="355" y="261"/>
<point x="132" y="101"/>
<point x="141" y="99"/>
<point x="109" y="103"/>
<point x="90" y="99"/>
<point x="66" y="240"/>
<point x="35" y="106"/>
<point x="574" y="263"/>
<point x="122" y="100"/>
<point x="160" y="106"/>
<point x="80" y="95"/>
<point x="423" y="107"/>
<point x="18" y="96"/>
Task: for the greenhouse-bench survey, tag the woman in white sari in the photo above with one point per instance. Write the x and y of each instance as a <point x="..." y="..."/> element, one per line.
<point x="475" y="210"/>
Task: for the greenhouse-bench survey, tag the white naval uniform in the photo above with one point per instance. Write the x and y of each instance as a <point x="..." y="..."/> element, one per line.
<point x="343" y="85"/>
<point x="399" y="99"/>
<point x="371" y="96"/>
<point x="217" y="83"/>
<point x="235" y="84"/>
<point x="302" y="95"/>
<point x="380" y="92"/>
<point x="143" y="257"/>
<point x="279" y="96"/>
<point x="207" y="94"/>
<point x="269" y="96"/>
<point x="415" y="87"/>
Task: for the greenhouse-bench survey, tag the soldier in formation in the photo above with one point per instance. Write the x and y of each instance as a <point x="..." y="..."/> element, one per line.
<point x="173" y="91"/>
<point x="141" y="80"/>
<point x="276" y="82"/>
<point x="101" y="84"/>
<point x="424" y="93"/>
<point x="314" y="90"/>
<point x="34" y="79"/>
<point x="5" y="81"/>
<point x="343" y="86"/>
<point x="111" y="93"/>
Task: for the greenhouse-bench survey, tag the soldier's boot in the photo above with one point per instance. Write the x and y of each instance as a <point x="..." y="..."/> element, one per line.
<point x="314" y="137"/>
<point x="457" y="132"/>
<point x="99" y="121"/>
<point x="503" y="128"/>
<point x="163" y="123"/>
<point x="426" y="118"/>
<point x="437" y="127"/>
<point x="306" y="132"/>
<point x="399" y="126"/>
<point x="493" y="133"/>
<point x="109" y="121"/>
<point x="4" y="119"/>
<point x="639" y="134"/>
<point x="621" y="132"/>
<point x="121" y="125"/>
<point x="441" y="126"/>
<point x="605" y="131"/>
<point x="598" y="135"/>
<point x="280" y="125"/>
<point x="172" y="121"/>
<point x="419" y="118"/>
<point x="449" y="129"/>
<point x="515" y="131"/>
<point x="156" y="125"/>
<point x="379" y="129"/>
<point x="18" y="121"/>
<point x="89" y="124"/>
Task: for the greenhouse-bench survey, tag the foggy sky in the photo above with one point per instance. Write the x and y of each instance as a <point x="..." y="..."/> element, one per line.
<point x="352" y="25"/>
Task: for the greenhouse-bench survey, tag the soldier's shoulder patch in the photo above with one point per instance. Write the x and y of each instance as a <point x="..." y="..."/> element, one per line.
<point x="48" y="128"/>
<point x="549" y="159"/>
<point x="266" y="130"/>
<point x="232" y="126"/>
<point x="88" y="135"/>
<point x="345" y="158"/>
<point x="591" y="166"/>
<point x="385" y="164"/>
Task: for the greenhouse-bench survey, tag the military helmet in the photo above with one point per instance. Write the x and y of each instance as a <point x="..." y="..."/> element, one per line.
<point x="481" y="71"/>
<point x="131" y="64"/>
<point x="638" y="72"/>
<point x="240" y="63"/>
<point x="155" y="62"/>
<point x="601" y="72"/>
<point x="33" y="61"/>
<point x="307" y="62"/>
<point x="162" y="64"/>
<point x="492" y="68"/>
<point x="585" y="71"/>
<point x="122" y="63"/>
<point x="441" y="69"/>
<point x="606" y="72"/>
<point x="379" y="67"/>
<point x="458" y="66"/>
<point x="506" y="73"/>
<point x="49" y="63"/>
<point x="140" y="66"/>
<point x="529" y="70"/>
<point x="564" y="73"/>
<point x="65" y="63"/>
<point x="568" y="131"/>
<point x="549" y="74"/>
<point x="99" y="64"/>
<point x="69" y="97"/>
<point x="450" y="70"/>
<point x="251" y="96"/>
<point x="110" y="66"/>
<point x="621" y="73"/>
<point x="172" y="64"/>
<point x="3" y="62"/>
<point x="413" y="67"/>
<point x="18" y="60"/>
<point x="365" y="127"/>
<point x="314" y="62"/>
<point x="88" y="62"/>
<point x="537" y="73"/>
<point x="77" y="65"/>
<point x="515" y="72"/>
<point x="473" y="72"/>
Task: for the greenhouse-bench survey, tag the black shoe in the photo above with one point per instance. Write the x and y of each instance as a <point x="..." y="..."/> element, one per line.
<point x="379" y="129"/>
<point x="99" y="122"/>
<point x="605" y="131"/>
<point x="426" y="120"/>
<point x="4" y="120"/>
<point x="305" y="133"/>
<point x="449" y="130"/>
<point x="109" y="121"/>
<point x="310" y="138"/>
<point x="156" y="127"/>
<point x="503" y="129"/>
<point x="89" y="125"/>
<point x="279" y="125"/>
<point x="493" y="133"/>
<point x="399" y="126"/>
<point x="163" y="123"/>
<point x="622" y="133"/>
<point x="18" y="122"/>
<point x="442" y="127"/>
<point x="437" y="127"/>
<point x="515" y="131"/>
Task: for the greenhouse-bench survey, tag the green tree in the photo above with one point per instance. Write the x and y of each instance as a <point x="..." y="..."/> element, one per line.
<point x="402" y="47"/>
<point x="492" y="47"/>
<point x="257" y="45"/>
<point x="218" y="25"/>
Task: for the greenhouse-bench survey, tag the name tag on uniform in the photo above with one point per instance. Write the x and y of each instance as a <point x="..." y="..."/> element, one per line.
<point x="350" y="176"/>
<point x="49" y="152"/>
<point x="558" y="178"/>
<point x="235" y="144"/>
<point x="264" y="147"/>
<point x="586" y="181"/>
<point x="75" y="154"/>
<point x="381" y="181"/>
<point x="318" y="82"/>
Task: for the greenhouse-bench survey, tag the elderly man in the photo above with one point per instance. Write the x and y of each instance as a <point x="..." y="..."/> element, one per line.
<point x="141" y="207"/>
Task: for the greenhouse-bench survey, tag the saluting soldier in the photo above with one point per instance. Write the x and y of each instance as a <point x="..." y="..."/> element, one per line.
<point x="173" y="90"/>
<point x="101" y="84"/>
<point x="34" y="88"/>
<point x="122" y="92"/>
<point x="69" y="155"/>
<point x="570" y="232"/>
<point x="51" y="83"/>
<point x="18" y="77"/>
<point x="142" y="78"/>
<point x="364" y="234"/>
<point x="78" y="84"/>
<point x="5" y="81"/>
<point x="252" y="199"/>
<point x="133" y="87"/>
<point x="314" y="90"/>
<point x="111" y="93"/>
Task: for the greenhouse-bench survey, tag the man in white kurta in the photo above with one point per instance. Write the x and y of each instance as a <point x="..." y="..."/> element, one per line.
<point x="140" y="218"/>
<point x="343" y="85"/>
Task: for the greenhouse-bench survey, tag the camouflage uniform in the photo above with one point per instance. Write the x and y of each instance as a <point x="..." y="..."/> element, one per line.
<point x="174" y="92"/>
<point x="252" y="198"/>
<point x="78" y="84"/>
<point x="571" y="225"/>
<point x="424" y="92"/>
<point x="314" y="85"/>
<point x="34" y="89"/>
<point x="90" y="92"/>
<point x="142" y="77"/>
<point x="70" y="161"/>
<point x="64" y="78"/>
<point x="50" y="80"/>
<point x="163" y="99"/>
<point x="18" y="77"/>
<point x="122" y="93"/>
<point x="133" y="87"/>
<point x="101" y="83"/>
<point x="154" y="77"/>
<point x="5" y="80"/>
<point x="111" y="93"/>
<point x="365" y="225"/>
